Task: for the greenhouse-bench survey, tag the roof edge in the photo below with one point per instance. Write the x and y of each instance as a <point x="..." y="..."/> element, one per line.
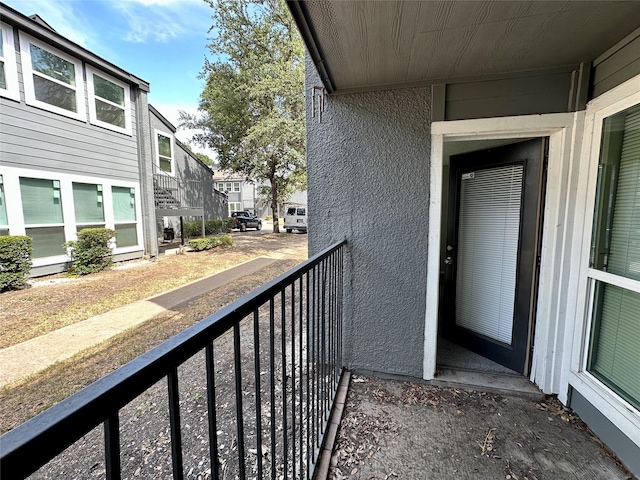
<point x="34" y="28"/>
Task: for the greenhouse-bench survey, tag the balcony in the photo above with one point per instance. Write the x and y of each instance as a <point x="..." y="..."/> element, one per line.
<point x="244" y="393"/>
<point x="249" y="391"/>
<point x="174" y="196"/>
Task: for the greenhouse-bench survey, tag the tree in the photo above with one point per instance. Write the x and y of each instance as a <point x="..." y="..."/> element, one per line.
<point x="251" y="111"/>
<point x="204" y="158"/>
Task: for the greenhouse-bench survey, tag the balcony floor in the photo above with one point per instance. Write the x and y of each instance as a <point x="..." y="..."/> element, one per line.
<point x="393" y="429"/>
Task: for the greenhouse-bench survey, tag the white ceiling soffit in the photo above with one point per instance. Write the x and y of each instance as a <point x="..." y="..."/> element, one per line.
<point x="366" y="45"/>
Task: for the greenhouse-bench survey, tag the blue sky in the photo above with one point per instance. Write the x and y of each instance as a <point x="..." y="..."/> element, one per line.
<point x="161" y="41"/>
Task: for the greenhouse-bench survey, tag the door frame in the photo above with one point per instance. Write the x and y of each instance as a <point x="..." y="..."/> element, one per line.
<point x="531" y="157"/>
<point x="552" y="335"/>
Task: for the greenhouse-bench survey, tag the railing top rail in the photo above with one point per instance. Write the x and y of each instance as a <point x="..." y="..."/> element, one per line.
<point x="67" y="421"/>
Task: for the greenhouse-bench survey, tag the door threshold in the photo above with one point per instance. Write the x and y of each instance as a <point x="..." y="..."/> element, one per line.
<point x="503" y="384"/>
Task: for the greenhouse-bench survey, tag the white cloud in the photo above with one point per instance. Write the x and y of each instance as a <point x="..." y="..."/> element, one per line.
<point x="162" y="20"/>
<point x="62" y="15"/>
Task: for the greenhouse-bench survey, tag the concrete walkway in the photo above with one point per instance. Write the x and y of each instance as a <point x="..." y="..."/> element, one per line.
<point x="27" y="358"/>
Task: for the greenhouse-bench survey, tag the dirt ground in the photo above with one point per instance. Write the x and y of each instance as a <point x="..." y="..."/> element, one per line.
<point x="403" y="430"/>
<point x="49" y="303"/>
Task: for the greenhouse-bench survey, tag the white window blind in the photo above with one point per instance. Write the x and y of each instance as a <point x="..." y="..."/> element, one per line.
<point x="489" y="227"/>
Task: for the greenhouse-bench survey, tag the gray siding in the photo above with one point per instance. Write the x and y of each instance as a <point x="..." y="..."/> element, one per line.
<point x="627" y="451"/>
<point x="536" y="93"/>
<point x="38" y="139"/>
<point x="368" y="183"/>
<point x="617" y="65"/>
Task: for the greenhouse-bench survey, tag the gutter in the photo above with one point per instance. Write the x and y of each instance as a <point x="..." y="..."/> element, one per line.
<point x="300" y="15"/>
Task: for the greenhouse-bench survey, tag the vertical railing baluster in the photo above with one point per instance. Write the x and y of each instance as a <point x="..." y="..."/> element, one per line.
<point x="256" y="348"/>
<point x="309" y="378"/>
<point x="211" y="409"/>
<point x="318" y="369"/>
<point x="174" y="422"/>
<point x="283" y="332"/>
<point x="272" y="373"/>
<point x="112" y="446"/>
<point x="324" y="343"/>
<point x="300" y="391"/>
<point x="239" y="409"/>
<point x="293" y="380"/>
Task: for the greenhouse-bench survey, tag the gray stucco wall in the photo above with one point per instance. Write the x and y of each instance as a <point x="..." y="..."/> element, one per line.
<point x="368" y="183"/>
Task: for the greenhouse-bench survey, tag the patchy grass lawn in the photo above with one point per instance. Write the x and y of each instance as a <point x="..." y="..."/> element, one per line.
<point x="23" y="401"/>
<point x="55" y="302"/>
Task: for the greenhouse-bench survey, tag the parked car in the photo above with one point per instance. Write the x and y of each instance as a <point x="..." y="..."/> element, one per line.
<point x="244" y="220"/>
<point x="295" y="218"/>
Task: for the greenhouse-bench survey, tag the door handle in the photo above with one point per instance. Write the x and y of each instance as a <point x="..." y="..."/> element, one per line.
<point x="448" y="261"/>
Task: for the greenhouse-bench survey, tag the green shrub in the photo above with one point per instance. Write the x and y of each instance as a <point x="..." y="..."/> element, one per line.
<point x="91" y="252"/>
<point x="193" y="228"/>
<point x="15" y="261"/>
<point x="229" y="223"/>
<point x="199" y="244"/>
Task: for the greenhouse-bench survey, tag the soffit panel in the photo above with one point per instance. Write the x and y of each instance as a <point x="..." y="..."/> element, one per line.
<point x="372" y="44"/>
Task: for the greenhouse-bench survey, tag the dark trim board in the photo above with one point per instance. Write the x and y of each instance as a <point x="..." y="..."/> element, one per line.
<point x="627" y="451"/>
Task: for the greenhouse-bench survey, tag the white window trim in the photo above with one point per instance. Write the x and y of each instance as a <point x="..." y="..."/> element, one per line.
<point x="622" y="414"/>
<point x="29" y="88"/>
<point x="157" y="132"/>
<point x="233" y="185"/>
<point x="10" y="65"/>
<point x="11" y="180"/>
<point x="93" y="118"/>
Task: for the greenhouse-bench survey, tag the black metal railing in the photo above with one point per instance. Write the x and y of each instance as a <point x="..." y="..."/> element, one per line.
<point x="248" y="394"/>
<point x="173" y="193"/>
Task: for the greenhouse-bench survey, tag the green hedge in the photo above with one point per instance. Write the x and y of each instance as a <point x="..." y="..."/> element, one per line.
<point x="15" y="261"/>
<point x="211" y="227"/>
<point x="91" y="252"/>
<point x="199" y="244"/>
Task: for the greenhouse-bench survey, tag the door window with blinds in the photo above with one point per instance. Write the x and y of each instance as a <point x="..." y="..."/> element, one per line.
<point x="614" y="349"/>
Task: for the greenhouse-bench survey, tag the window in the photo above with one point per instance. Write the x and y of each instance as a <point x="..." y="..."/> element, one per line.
<point x="234" y="207"/>
<point x="236" y="186"/>
<point x="124" y="216"/>
<point x="614" y="356"/>
<point x="88" y="205"/>
<point x="42" y="213"/>
<point x="221" y="186"/>
<point x="109" y="104"/>
<point x="52" y="80"/>
<point x="164" y="152"/>
<point x="8" y="69"/>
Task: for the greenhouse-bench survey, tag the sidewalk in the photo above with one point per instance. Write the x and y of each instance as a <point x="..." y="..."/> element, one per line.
<point x="32" y="356"/>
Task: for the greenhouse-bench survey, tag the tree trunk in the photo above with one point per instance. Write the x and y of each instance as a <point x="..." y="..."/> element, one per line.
<point x="274" y="207"/>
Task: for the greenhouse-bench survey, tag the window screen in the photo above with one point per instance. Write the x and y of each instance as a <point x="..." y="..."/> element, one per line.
<point x="3" y="205"/>
<point x="124" y="204"/>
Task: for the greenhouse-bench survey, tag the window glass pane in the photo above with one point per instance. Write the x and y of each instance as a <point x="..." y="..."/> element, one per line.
<point x="87" y="201"/>
<point x="616" y="238"/>
<point x="41" y="201"/>
<point x="3" y="81"/>
<point x="1" y="45"/>
<point x="4" y="232"/>
<point x="108" y="90"/>
<point x="164" y="146"/>
<point x="301" y="211"/>
<point x="615" y="352"/>
<point x="3" y="205"/>
<point x="127" y="235"/>
<point x="47" y="241"/>
<point x="54" y="94"/>
<point x="52" y="65"/>
<point x="110" y="114"/>
<point x="124" y="205"/>
<point x="165" y="164"/>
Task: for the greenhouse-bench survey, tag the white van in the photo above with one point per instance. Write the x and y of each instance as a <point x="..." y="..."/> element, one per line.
<point x="295" y="218"/>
